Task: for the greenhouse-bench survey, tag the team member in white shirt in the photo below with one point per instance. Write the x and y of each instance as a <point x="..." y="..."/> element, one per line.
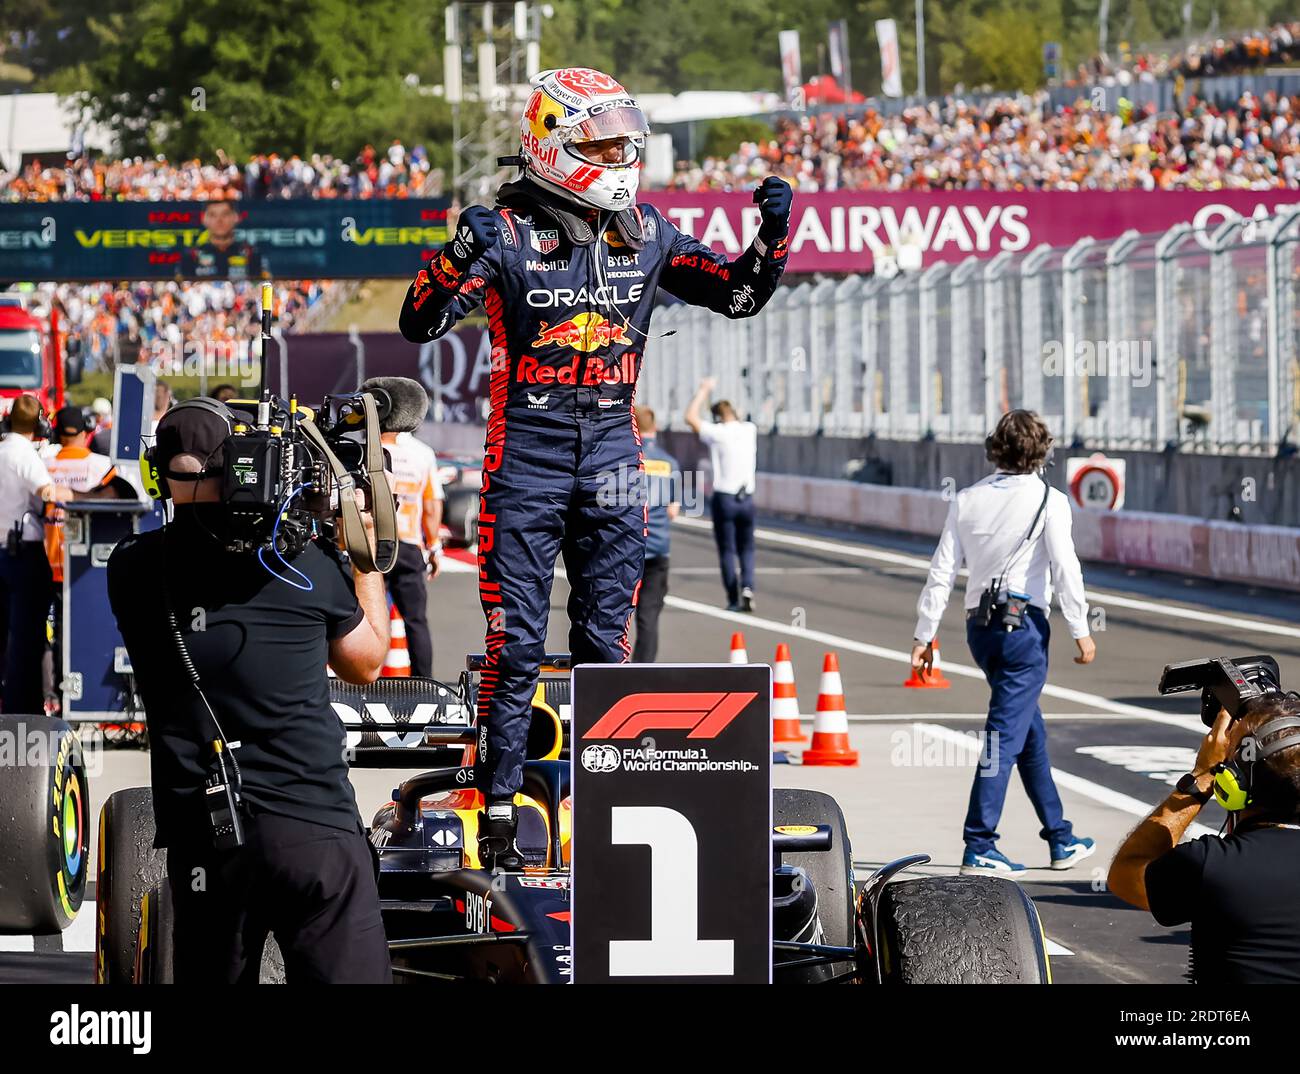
<point x="25" y="583"/>
<point x="733" y="452"/>
<point x="1013" y="531"/>
<point x="415" y="482"/>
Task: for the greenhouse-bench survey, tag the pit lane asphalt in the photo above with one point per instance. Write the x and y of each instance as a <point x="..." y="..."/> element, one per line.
<point x="1114" y="743"/>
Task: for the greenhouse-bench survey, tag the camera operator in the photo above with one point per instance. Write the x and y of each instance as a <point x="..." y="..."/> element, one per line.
<point x="25" y="580"/>
<point x="1240" y="892"/>
<point x="259" y="641"/>
<point x="1013" y="530"/>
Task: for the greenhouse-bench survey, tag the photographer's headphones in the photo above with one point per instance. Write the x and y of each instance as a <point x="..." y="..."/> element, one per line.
<point x="1234" y="779"/>
<point x="153" y="479"/>
<point x="43" y="431"/>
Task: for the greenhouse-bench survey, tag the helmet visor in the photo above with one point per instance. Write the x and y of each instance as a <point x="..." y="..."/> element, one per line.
<point x="623" y="120"/>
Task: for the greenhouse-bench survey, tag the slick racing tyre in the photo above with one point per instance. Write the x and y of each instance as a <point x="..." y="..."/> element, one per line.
<point x="831" y="872"/>
<point x="154" y="950"/>
<point x="129" y="868"/>
<point x="44" y="837"/>
<point x="153" y="947"/>
<point x="960" y="930"/>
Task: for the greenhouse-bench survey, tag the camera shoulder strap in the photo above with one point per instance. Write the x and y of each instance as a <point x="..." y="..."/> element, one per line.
<point x="383" y="507"/>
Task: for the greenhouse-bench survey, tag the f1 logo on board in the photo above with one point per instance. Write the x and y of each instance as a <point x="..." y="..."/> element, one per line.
<point x="703" y="715"/>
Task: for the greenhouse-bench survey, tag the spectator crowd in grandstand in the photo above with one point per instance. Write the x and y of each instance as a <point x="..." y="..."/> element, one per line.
<point x="1022" y="143"/>
<point x="1278" y="46"/>
<point x="110" y="323"/>
<point x="394" y="173"/>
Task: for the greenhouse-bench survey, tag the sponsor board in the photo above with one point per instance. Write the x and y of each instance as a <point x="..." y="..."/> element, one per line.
<point x="672" y="856"/>
<point x="288" y="239"/>
<point x="845" y="231"/>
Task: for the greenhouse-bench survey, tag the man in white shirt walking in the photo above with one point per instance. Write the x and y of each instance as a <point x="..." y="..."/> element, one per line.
<point x="25" y="583"/>
<point x="733" y="451"/>
<point x="1013" y="531"/>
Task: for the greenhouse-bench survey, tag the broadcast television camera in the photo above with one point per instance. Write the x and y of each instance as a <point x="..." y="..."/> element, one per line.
<point x="290" y="473"/>
<point x="290" y="470"/>
<point x="1224" y="683"/>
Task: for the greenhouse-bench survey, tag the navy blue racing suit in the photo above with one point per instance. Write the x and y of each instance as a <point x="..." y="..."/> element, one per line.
<point x="562" y="471"/>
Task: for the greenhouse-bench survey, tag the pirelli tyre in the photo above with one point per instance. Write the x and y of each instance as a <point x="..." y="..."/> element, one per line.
<point x="153" y="946"/>
<point x="831" y="872"/>
<point x="129" y="868"/>
<point x="960" y="930"/>
<point x="44" y="832"/>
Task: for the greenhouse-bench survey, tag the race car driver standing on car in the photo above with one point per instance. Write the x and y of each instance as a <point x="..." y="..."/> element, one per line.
<point x="566" y="266"/>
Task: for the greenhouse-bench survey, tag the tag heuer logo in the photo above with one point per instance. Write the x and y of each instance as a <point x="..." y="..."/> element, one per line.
<point x="544" y="242"/>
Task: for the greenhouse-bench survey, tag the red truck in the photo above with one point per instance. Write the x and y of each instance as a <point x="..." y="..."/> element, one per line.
<point x="29" y="358"/>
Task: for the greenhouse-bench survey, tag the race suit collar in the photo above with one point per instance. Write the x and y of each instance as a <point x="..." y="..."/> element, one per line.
<point x="526" y="195"/>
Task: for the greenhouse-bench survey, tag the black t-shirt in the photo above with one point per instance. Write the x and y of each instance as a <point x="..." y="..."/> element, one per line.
<point x="260" y="647"/>
<point x="1242" y="896"/>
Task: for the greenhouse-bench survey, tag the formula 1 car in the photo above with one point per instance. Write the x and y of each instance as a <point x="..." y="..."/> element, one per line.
<point x="449" y="920"/>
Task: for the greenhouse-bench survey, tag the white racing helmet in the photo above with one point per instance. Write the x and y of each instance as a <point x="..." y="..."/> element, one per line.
<point x="573" y="106"/>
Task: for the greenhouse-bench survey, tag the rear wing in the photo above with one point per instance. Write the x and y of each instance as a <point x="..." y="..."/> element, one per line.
<point x="402" y="721"/>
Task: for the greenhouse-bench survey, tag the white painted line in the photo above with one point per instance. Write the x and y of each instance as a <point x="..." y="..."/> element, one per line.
<point x="17" y="943"/>
<point x="712" y="572"/>
<point x="1123" y="802"/>
<point x="898" y="656"/>
<point x="1114" y="600"/>
<point x="1055" y="950"/>
<point x="908" y="717"/>
<point x="80" y="935"/>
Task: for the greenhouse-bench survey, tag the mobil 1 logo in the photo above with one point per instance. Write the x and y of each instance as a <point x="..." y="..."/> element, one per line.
<point x="672" y="802"/>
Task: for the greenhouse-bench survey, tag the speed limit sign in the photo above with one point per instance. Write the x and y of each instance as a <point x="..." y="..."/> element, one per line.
<point x="1096" y="483"/>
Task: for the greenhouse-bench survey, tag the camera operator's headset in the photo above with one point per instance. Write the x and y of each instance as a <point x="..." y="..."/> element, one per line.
<point x="153" y="479"/>
<point x="1234" y="779"/>
<point x="43" y="431"/>
<point x="355" y="540"/>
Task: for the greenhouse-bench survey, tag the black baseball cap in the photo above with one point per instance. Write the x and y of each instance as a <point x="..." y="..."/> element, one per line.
<point x="69" y="421"/>
<point x="195" y="427"/>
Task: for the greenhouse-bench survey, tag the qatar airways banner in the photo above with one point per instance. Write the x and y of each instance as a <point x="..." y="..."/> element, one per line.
<point x="844" y="230"/>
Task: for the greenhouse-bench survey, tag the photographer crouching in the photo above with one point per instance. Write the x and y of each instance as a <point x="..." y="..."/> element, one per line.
<point x="1239" y="892"/>
<point x="251" y="792"/>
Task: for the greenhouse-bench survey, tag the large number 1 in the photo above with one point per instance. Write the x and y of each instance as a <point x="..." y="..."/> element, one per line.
<point x="674" y="948"/>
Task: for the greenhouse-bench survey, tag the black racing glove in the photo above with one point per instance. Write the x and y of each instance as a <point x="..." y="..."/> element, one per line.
<point x="477" y="231"/>
<point x="773" y="198"/>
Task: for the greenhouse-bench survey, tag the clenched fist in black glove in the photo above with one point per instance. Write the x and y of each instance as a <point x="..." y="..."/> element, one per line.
<point x="477" y="231"/>
<point x="773" y="198"/>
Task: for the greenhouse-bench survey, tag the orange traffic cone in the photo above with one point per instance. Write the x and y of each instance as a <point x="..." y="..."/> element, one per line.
<point x="738" y="653"/>
<point x="929" y="680"/>
<point x="785" y="702"/>
<point x="397" y="664"/>
<point x="830" y="741"/>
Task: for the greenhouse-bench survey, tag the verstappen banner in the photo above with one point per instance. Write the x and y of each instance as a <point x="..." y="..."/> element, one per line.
<point x="843" y="231"/>
<point x="219" y="240"/>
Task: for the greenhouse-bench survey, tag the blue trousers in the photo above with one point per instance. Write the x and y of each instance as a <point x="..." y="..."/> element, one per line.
<point x="733" y="531"/>
<point x="1015" y="664"/>
<point x="25" y="591"/>
<point x="561" y="484"/>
